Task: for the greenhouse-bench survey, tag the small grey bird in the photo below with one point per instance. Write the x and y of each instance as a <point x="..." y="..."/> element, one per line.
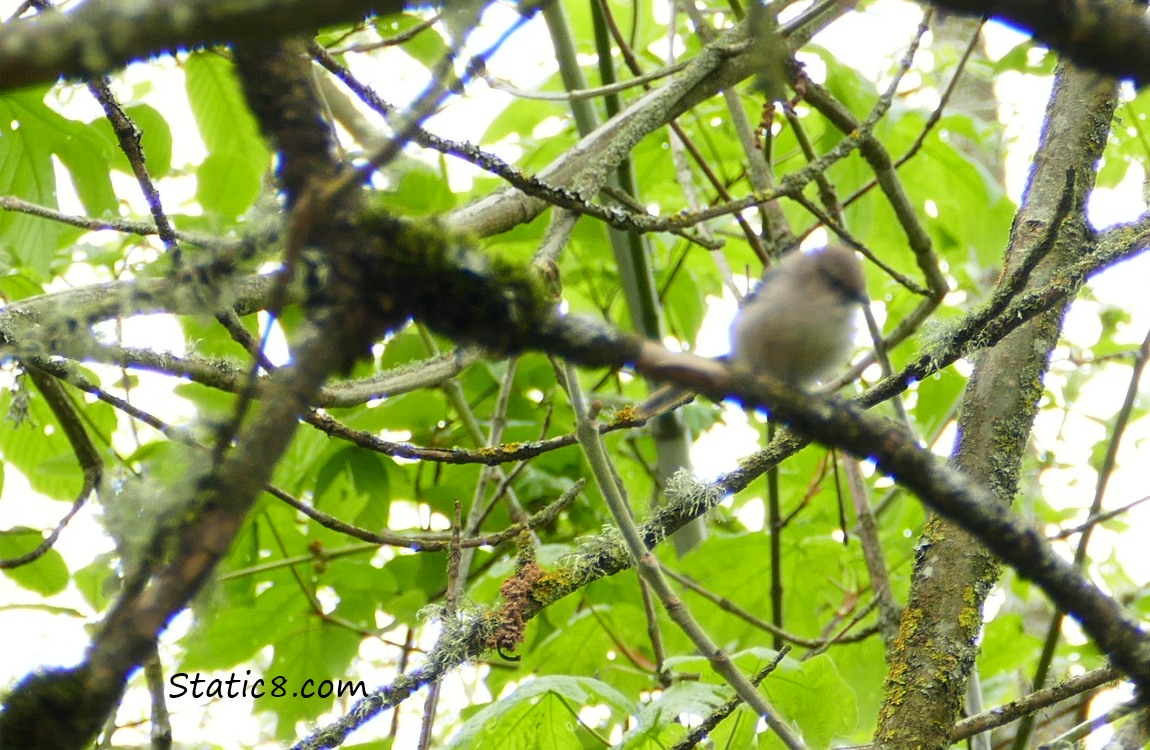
<point x="797" y="325"/>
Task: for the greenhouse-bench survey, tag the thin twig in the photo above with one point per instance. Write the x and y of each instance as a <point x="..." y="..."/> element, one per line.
<point x="90" y="460"/>
<point x="648" y="567"/>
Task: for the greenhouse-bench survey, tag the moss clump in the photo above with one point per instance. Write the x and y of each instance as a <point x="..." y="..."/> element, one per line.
<point x="443" y="280"/>
<point x="48" y="709"/>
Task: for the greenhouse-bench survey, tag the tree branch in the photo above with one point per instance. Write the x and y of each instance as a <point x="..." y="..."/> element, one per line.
<point x="1107" y="36"/>
<point x="100" y="36"/>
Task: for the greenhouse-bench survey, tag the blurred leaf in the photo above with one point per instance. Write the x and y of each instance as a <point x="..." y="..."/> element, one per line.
<point x="1006" y="646"/>
<point x="15" y="287"/>
<point x="308" y="652"/>
<point x="97" y="582"/>
<point x="226" y="636"/>
<point x="46" y="575"/>
<point x="426" y="47"/>
<point x="410" y="583"/>
<point x="366" y="472"/>
<point x="937" y="401"/>
<point x="31" y="133"/>
<point x="41" y="451"/>
<point x="227" y="183"/>
<point x="685" y="304"/>
<point x="1027" y="57"/>
<point x="229" y="179"/>
<point x="155" y="140"/>
<point x="420" y="191"/>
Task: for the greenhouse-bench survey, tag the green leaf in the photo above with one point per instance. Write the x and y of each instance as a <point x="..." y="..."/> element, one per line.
<point x="954" y="181"/>
<point x="1129" y="141"/>
<point x="1027" y="58"/>
<point x="409" y="581"/>
<point x="227" y="183"/>
<point x="937" y="396"/>
<point x="97" y="582"/>
<point x="541" y="713"/>
<point x="1006" y="646"/>
<point x="155" y="140"/>
<point x="228" y="636"/>
<point x="46" y="575"/>
<point x="296" y="473"/>
<point x="209" y="402"/>
<point x="813" y="694"/>
<point x="30" y="135"/>
<point x="685" y="305"/>
<point x="15" y="287"/>
<point x="308" y="651"/>
<point x="810" y="694"/>
<point x="230" y="181"/>
<point x="219" y="106"/>
<point x="25" y="171"/>
<point x="738" y="567"/>
<point x="39" y="449"/>
<point x="659" y="723"/>
<point x="364" y="470"/>
<point x="427" y="47"/>
<point x="81" y="150"/>
<point x="420" y="191"/>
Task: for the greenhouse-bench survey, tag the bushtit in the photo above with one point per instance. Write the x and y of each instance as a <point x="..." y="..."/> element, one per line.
<point x="796" y="325"/>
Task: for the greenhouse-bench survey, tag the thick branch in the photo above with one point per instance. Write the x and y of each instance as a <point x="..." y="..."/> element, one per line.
<point x="1106" y="36"/>
<point x="102" y="35"/>
<point x="66" y="708"/>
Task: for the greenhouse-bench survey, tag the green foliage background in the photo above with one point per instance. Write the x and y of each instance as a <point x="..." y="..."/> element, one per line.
<point x="300" y="600"/>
